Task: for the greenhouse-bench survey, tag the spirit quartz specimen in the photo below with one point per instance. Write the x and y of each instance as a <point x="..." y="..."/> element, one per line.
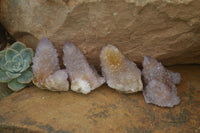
<point x="84" y="78"/>
<point x="119" y="72"/>
<point x="160" y="83"/>
<point x="46" y="69"/>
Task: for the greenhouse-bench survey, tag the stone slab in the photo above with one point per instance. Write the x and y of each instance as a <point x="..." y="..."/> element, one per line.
<point x="168" y="30"/>
<point x="103" y="110"/>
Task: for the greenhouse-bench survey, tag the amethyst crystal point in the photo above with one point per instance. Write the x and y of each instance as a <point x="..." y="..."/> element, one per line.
<point x="160" y="83"/>
<point x="83" y="77"/>
<point x="58" y="81"/>
<point x="46" y="69"/>
<point x="120" y="73"/>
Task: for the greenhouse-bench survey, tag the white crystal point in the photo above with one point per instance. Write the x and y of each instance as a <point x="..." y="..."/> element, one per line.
<point x="120" y="73"/>
<point x="83" y="77"/>
<point x="160" y="83"/>
<point x="58" y="81"/>
<point x="45" y="64"/>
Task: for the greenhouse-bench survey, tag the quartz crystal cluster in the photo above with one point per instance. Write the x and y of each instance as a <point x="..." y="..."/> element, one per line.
<point x="119" y="72"/>
<point x="83" y="77"/>
<point x="160" y="83"/>
<point x="46" y="69"/>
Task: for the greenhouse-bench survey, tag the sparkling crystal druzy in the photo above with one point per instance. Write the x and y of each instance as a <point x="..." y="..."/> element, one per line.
<point x="119" y="72"/>
<point x="84" y="78"/>
<point x="160" y="83"/>
<point x="46" y="69"/>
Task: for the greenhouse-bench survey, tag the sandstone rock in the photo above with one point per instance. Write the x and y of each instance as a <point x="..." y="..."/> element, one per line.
<point x="165" y="29"/>
<point x="33" y="110"/>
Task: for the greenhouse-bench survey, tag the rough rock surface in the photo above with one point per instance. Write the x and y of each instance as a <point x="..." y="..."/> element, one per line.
<point x="160" y="83"/>
<point x="33" y="110"/>
<point x="119" y="72"/>
<point x="168" y="30"/>
<point x="46" y="69"/>
<point x="83" y="77"/>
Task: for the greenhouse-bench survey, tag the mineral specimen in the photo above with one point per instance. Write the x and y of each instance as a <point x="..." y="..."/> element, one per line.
<point x="46" y="69"/>
<point x="120" y="73"/>
<point x="160" y="83"/>
<point x="58" y="80"/>
<point x="84" y="78"/>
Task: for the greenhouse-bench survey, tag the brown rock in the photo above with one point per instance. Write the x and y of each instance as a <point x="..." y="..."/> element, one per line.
<point x="102" y="111"/>
<point x="168" y="30"/>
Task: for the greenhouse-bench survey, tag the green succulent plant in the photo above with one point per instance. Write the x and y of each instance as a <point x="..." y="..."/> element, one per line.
<point x="15" y="66"/>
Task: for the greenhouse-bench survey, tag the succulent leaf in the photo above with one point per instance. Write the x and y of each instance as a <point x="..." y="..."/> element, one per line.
<point x="15" y="85"/>
<point x="18" y="58"/>
<point x="26" y="65"/>
<point x="8" y="66"/>
<point x="13" y="66"/>
<point x="10" y="53"/>
<point x="18" y="46"/>
<point x="2" y="52"/>
<point x="13" y="75"/>
<point x="26" y="77"/>
<point x="4" y="77"/>
<point x="2" y="61"/>
<point x="19" y="63"/>
<point x="27" y="54"/>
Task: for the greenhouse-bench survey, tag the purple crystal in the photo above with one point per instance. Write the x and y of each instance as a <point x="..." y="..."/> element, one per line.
<point x="160" y="83"/>
<point x="121" y="74"/>
<point x="84" y="78"/>
<point x="46" y="69"/>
